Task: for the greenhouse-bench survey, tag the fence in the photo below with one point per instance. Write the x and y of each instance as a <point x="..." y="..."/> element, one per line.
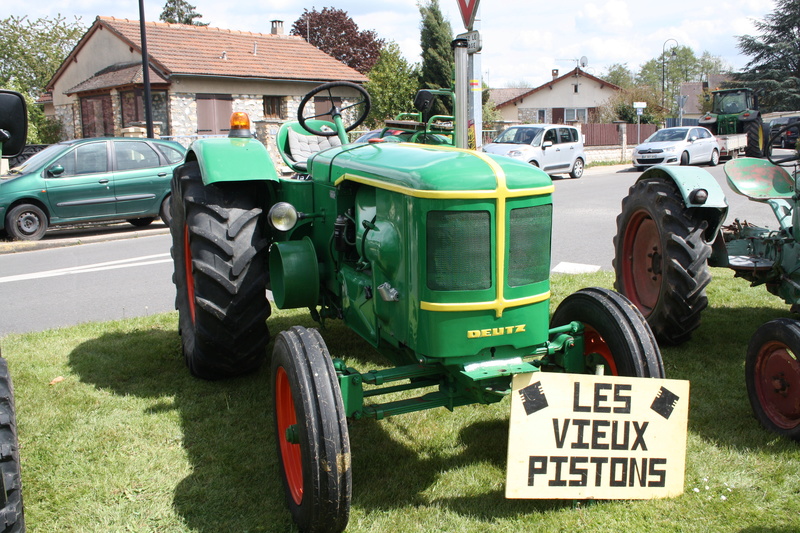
<point x="608" y="134"/>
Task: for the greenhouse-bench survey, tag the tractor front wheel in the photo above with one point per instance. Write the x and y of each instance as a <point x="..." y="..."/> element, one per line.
<point x="772" y="375"/>
<point x="311" y="432"/>
<point x="616" y="334"/>
<point x="220" y="274"/>
<point x="661" y="259"/>
<point x="11" y="510"/>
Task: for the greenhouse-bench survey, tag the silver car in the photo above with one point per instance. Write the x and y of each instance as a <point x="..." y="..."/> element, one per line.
<point x="687" y="145"/>
<point x="555" y="148"/>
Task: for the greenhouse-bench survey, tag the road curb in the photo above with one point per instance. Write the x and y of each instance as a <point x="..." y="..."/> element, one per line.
<point x="88" y="236"/>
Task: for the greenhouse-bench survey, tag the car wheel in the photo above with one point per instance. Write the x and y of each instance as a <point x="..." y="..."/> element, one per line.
<point x="141" y="222"/>
<point x="577" y="169"/>
<point x="684" y="159"/>
<point x="534" y="163"/>
<point x="26" y="222"/>
<point x="714" y="158"/>
<point x="165" y="213"/>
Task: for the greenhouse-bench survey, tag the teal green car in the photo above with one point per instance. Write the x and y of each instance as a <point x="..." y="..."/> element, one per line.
<point x="89" y="180"/>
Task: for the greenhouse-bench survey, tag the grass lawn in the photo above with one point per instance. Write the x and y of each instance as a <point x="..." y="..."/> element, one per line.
<point x="116" y="436"/>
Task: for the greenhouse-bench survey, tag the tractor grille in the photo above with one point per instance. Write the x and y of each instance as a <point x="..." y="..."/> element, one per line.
<point x="529" y="246"/>
<point x="459" y="250"/>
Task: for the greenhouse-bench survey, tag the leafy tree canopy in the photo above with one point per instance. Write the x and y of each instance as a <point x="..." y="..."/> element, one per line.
<point x="775" y="64"/>
<point x="181" y="12"/>
<point x="619" y="74"/>
<point x="335" y="33"/>
<point x="392" y="85"/>
<point x="32" y="50"/>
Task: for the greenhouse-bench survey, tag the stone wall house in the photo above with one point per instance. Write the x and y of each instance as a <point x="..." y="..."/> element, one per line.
<point x="198" y="75"/>
<point x="568" y="99"/>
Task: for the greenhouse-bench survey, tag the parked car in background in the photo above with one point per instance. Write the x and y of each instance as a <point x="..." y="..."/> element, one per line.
<point x="555" y="148"/>
<point x="677" y="146"/>
<point x="787" y="139"/>
<point x="89" y="180"/>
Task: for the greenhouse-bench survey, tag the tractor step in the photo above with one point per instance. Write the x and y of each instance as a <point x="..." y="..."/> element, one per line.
<point x="749" y="263"/>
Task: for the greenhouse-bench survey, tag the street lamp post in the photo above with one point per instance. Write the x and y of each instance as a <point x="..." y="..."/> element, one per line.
<point x="663" y="66"/>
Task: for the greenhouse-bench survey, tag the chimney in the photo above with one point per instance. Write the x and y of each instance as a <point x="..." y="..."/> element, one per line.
<point x="554" y="72"/>
<point x="277" y="27"/>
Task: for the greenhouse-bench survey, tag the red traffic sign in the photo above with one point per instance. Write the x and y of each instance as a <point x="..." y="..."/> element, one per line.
<point x="468" y="9"/>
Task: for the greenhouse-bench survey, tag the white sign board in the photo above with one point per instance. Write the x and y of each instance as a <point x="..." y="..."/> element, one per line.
<point x="576" y="436"/>
<point x="473" y="41"/>
<point x="639" y="105"/>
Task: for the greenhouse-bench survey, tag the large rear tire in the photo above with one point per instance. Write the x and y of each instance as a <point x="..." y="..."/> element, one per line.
<point x="755" y="138"/>
<point x="12" y="519"/>
<point x="616" y="334"/>
<point x="311" y="432"/>
<point x="220" y="275"/>
<point x="661" y="259"/>
<point x="772" y="375"/>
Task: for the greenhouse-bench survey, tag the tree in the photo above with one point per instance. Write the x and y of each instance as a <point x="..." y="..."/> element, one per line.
<point x="31" y="51"/>
<point x="335" y="33"/>
<point x="775" y="64"/>
<point x="620" y="106"/>
<point x="181" y="12"/>
<point x="392" y="85"/>
<point x="437" y="55"/>
<point x="620" y="75"/>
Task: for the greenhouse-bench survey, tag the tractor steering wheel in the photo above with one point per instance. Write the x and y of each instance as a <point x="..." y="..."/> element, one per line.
<point x="334" y="111"/>
<point x="781" y="161"/>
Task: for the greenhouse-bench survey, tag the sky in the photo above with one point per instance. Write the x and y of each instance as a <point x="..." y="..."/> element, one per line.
<point x="523" y="40"/>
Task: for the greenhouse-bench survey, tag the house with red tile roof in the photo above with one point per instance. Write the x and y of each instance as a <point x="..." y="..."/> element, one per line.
<point x="198" y="76"/>
<point x="571" y="98"/>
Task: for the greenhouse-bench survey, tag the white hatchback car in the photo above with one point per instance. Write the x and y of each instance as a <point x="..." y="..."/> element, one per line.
<point x="555" y="148"/>
<point x="687" y="145"/>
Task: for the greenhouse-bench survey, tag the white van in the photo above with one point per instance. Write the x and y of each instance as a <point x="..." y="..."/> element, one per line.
<point x="555" y="148"/>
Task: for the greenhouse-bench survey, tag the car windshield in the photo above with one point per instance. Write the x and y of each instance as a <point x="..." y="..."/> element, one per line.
<point x="518" y="135"/>
<point x="729" y="103"/>
<point x="667" y="135"/>
<point x="36" y="160"/>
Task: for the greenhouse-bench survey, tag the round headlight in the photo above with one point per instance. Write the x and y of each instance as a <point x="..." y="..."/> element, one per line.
<point x="282" y="216"/>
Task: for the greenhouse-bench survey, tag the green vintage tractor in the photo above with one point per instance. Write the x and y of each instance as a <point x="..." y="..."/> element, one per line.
<point x="736" y="120"/>
<point x="13" y="135"/>
<point x="438" y="257"/>
<point x="671" y="229"/>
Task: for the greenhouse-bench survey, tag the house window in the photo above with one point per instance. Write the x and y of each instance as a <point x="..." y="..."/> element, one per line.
<point x="273" y="107"/>
<point x="542" y="116"/>
<point x="575" y="115"/>
<point x="214" y="113"/>
<point x="575" y="88"/>
<point x="132" y="108"/>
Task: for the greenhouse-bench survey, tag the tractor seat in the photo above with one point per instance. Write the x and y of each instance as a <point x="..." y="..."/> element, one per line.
<point x="758" y="179"/>
<point x="296" y="145"/>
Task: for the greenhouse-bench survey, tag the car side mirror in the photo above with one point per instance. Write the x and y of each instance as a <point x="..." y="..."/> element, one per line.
<point x="547" y="144"/>
<point x="55" y="170"/>
<point x="693" y="138"/>
<point x="13" y="123"/>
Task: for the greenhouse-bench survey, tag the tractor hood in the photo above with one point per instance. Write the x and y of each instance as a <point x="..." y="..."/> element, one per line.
<point x="407" y="166"/>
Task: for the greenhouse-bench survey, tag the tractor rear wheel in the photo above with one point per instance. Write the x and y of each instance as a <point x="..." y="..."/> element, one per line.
<point x="311" y="432"/>
<point x="661" y="259"/>
<point x="772" y="375"/>
<point x="11" y="512"/>
<point x="616" y="334"/>
<point x="220" y="274"/>
<point x="755" y="138"/>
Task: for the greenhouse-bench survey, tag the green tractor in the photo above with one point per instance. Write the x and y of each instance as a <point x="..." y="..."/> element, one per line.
<point x="13" y="135"/>
<point x="438" y="257"/>
<point x="671" y="229"/>
<point x="736" y="121"/>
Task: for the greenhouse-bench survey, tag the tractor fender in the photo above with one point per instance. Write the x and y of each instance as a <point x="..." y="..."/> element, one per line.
<point x="688" y="180"/>
<point x="232" y="159"/>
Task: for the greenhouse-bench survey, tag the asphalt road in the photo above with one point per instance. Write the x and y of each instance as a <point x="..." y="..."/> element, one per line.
<point x="106" y="273"/>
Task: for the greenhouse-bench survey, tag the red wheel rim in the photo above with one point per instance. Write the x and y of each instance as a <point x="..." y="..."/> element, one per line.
<point x="641" y="262"/>
<point x="594" y="344"/>
<point x="777" y="383"/>
<point x="290" y="453"/>
<point x="187" y="263"/>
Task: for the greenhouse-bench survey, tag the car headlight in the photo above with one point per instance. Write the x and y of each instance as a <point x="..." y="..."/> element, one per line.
<point x="669" y="149"/>
<point x="514" y="153"/>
